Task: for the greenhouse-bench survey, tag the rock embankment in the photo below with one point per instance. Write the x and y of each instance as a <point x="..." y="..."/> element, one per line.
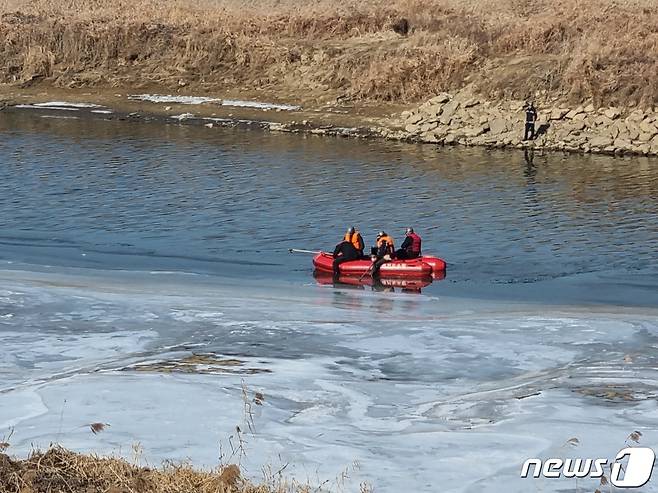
<point x="464" y="119"/>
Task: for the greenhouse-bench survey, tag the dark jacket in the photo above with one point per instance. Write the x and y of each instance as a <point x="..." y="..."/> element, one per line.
<point x="346" y="250"/>
<point x="530" y="114"/>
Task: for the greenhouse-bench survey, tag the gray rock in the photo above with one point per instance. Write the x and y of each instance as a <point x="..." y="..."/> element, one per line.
<point x="558" y="113"/>
<point x="440" y="98"/>
<point x="644" y="149"/>
<point x="612" y="113"/>
<point x="516" y="105"/>
<point x="498" y="126"/>
<point x="450" y="108"/>
<point x="571" y="114"/>
<point x="445" y="119"/>
<point x="415" y="118"/>
<point x="636" y="116"/>
<point x="621" y="143"/>
<point x="450" y="139"/>
<point x="648" y="128"/>
<point x="600" y="142"/>
<point x="476" y="131"/>
<point x="412" y="128"/>
<point x="633" y="130"/>
<point x="434" y="112"/>
<point x="429" y="137"/>
<point x="603" y="121"/>
<point x="621" y="126"/>
<point x="577" y="125"/>
<point x="426" y="127"/>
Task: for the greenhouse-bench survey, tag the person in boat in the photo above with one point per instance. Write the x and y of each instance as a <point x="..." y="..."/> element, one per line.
<point x="344" y="252"/>
<point x="411" y="246"/>
<point x="355" y="238"/>
<point x="382" y="252"/>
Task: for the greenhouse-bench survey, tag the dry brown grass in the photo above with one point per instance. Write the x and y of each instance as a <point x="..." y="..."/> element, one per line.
<point x="606" y="50"/>
<point x="59" y="470"/>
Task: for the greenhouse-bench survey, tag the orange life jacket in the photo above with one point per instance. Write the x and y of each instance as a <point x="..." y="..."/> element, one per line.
<point x="355" y="239"/>
<point x="390" y="247"/>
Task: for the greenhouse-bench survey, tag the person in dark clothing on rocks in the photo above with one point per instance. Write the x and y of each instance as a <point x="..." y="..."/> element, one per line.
<point x="530" y="119"/>
<point x="344" y="252"/>
<point x="411" y="246"/>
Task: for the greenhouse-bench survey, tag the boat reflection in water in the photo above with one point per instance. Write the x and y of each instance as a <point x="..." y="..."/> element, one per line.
<point x="378" y="283"/>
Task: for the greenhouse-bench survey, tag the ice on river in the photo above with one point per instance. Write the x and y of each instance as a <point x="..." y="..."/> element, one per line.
<point x="194" y="100"/>
<point x="61" y="105"/>
<point x="406" y="392"/>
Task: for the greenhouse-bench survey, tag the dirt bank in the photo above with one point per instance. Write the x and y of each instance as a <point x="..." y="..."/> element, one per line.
<point x="400" y="51"/>
<point x="361" y="68"/>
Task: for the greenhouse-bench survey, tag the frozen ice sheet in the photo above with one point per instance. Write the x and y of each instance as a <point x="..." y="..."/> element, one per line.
<point x="161" y="98"/>
<point x="405" y="392"/>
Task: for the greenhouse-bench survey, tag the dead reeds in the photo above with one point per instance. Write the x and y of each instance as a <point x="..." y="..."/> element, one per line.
<point x="399" y="50"/>
<point x="60" y="470"/>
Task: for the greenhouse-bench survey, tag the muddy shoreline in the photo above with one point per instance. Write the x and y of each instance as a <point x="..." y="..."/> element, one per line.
<point x="313" y="117"/>
<point x="426" y="124"/>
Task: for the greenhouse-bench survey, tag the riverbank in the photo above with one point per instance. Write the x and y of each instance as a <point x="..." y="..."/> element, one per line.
<point x="58" y="469"/>
<point x="466" y="119"/>
<point x="446" y="119"/>
<point x="356" y="68"/>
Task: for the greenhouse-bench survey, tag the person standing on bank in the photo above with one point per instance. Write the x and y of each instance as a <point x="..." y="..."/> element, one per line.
<point x="411" y="246"/>
<point x="530" y="119"/>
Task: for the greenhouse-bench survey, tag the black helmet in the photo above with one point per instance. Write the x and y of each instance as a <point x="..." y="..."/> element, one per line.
<point x="409" y="231"/>
<point x="351" y="230"/>
<point x="381" y="233"/>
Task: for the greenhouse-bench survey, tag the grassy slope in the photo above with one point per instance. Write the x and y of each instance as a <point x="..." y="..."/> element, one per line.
<point x="59" y="470"/>
<point x="578" y="49"/>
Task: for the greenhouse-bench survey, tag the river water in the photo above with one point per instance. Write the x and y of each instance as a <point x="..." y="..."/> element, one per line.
<point x="146" y="283"/>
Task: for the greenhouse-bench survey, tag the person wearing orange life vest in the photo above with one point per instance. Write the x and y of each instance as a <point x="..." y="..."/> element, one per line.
<point x="383" y="251"/>
<point x="355" y="238"/>
<point x="350" y="248"/>
<point x="411" y="246"/>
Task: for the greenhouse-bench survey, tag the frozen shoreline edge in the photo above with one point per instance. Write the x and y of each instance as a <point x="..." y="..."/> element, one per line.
<point x="294" y="119"/>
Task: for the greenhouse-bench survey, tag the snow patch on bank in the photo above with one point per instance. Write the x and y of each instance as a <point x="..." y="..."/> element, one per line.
<point x="64" y="106"/>
<point x="259" y="105"/>
<point x="37" y="107"/>
<point x="160" y="98"/>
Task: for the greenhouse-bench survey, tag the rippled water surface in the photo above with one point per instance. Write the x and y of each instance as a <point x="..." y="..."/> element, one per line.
<point x="145" y="282"/>
<point x="233" y="202"/>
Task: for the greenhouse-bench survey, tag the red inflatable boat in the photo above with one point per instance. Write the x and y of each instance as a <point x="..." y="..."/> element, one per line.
<point x="390" y="282"/>
<point x="421" y="267"/>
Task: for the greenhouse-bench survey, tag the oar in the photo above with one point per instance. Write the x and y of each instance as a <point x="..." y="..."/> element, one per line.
<point x="367" y="272"/>
<point x="299" y="250"/>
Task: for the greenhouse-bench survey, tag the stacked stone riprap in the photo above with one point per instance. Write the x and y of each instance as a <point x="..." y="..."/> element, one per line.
<point x="463" y="119"/>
